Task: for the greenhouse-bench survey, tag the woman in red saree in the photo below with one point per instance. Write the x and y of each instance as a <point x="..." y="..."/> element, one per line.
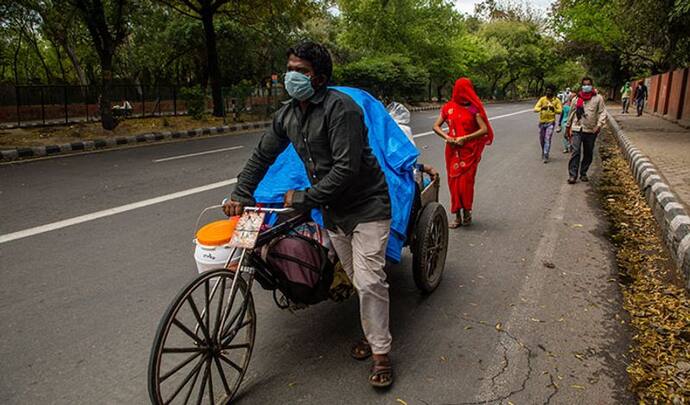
<point x="468" y="132"/>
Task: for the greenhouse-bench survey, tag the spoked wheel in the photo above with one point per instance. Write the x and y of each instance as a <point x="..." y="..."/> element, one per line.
<point x="431" y="247"/>
<point x="204" y="342"/>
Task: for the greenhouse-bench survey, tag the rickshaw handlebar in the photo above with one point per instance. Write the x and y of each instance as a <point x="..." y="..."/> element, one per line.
<point x="263" y="209"/>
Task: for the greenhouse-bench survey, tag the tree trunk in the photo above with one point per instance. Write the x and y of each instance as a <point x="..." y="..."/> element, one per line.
<point x="58" y="55"/>
<point x="505" y="86"/>
<point x="75" y="63"/>
<point x="107" y="120"/>
<point x="46" y="69"/>
<point x="439" y="89"/>
<point x="212" y="62"/>
<point x="15" y="62"/>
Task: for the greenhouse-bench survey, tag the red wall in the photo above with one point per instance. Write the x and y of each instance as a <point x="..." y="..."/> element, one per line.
<point x="664" y="91"/>
<point x="677" y="92"/>
<point x="653" y="91"/>
<point x="685" y="113"/>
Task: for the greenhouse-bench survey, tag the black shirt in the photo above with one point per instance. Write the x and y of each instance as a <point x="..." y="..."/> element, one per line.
<point x="331" y="139"/>
<point x="641" y="92"/>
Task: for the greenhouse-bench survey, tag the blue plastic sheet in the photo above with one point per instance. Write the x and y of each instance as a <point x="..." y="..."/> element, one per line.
<point x="396" y="156"/>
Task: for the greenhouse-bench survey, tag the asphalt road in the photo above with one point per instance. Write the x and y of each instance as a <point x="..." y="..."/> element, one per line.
<point x="528" y="310"/>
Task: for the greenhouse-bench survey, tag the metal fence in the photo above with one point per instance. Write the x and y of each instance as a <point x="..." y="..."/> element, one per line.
<point x="38" y="105"/>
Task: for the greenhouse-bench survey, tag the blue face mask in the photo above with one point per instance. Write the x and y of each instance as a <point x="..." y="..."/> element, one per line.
<point x="298" y="85"/>
<point x="587" y="88"/>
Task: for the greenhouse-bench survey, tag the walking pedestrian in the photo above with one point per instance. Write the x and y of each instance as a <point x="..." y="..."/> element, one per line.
<point x="583" y="125"/>
<point x="469" y="132"/>
<point x="326" y="128"/>
<point x="563" y="120"/>
<point x="640" y="97"/>
<point x="626" y="91"/>
<point x="548" y="108"/>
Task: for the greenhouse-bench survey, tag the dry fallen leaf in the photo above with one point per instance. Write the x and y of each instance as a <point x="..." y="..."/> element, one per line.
<point x="400" y="401"/>
<point x="577" y="386"/>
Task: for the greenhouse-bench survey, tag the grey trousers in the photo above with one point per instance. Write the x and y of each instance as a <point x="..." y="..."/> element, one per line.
<point x="583" y="146"/>
<point x="363" y="256"/>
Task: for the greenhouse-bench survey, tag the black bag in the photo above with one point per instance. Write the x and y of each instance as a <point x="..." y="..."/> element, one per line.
<point x="302" y="268"/>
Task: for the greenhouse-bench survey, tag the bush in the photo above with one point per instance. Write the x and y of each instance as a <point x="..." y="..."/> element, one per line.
<point x="387" y="77"/>
<point x="195" y="98"/>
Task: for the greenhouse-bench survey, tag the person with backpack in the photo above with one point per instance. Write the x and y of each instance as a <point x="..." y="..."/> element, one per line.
<point x="326" y="128"/>
<point x="548" y="108"/>
<point x="586" y="118"/>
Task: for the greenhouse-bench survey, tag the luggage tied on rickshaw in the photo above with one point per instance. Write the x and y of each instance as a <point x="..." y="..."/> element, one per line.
<point x="395" y="154"/>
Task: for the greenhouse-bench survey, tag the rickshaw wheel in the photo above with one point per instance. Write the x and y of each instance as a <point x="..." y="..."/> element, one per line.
<point x="430" y="247"/>
<point x="204" y="342"/>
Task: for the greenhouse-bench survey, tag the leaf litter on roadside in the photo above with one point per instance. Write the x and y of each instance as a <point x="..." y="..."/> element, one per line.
<point x="659" y="307"/>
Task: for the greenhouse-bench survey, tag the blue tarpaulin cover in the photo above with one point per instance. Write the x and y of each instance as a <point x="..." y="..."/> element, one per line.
<point x="396" y="156"/>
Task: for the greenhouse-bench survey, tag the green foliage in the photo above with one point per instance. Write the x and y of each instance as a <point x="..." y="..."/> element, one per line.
<point x="195" y="98"/>
<point x="388" y="76"/>
<point x="403" y="49"/>
<point x="646" y="36"/>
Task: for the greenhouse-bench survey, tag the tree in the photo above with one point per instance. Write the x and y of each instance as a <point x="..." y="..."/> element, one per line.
<point x="249" y="13"/>
<point x="107" y="25"/>
<point x="387" y="77"/>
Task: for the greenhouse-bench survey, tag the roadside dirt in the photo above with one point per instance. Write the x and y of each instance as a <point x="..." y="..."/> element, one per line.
<point x="653" y="295"/>
<point x="57" y="134"/>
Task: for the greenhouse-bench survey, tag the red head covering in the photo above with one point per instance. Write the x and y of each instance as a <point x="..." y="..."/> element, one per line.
<point x="463" y="94"/>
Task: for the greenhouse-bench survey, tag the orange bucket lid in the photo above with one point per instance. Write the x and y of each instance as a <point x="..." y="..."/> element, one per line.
<point x="217" y="233"/>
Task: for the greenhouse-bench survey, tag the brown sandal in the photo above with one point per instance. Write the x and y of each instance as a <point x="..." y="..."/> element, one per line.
<point x="381" y="375"/>
<point x="361" y="350"/>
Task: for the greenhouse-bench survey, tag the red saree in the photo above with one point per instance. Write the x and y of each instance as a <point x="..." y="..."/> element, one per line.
<point x="461" y="161"/>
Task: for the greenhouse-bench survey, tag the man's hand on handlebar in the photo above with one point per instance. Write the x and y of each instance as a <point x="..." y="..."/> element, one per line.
<point x="232" y="208"/>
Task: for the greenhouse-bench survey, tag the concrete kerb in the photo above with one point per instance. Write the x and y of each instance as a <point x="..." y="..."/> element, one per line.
<point x="670" y="214"/>
<point x="66" y="148"/>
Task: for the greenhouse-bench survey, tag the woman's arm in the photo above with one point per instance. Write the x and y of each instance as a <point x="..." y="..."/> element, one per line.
<point x="483" y="130"/>
<point x="439" y="131"/>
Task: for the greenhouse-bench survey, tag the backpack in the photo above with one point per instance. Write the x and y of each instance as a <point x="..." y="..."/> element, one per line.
<point x="302" y="268"/>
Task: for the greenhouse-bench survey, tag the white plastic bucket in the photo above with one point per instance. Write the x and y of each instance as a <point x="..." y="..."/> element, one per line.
<point x="213" y="257"/>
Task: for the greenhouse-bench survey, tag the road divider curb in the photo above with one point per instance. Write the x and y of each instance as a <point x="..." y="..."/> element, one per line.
<point x="670" y="214"/>
<point x="425" y="108"/>
<point x="75" y="147"/>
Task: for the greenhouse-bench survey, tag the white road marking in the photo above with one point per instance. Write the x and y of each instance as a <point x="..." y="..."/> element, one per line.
<point x="197" y="154"/>
<point x="490" y="119"/>
<point x="510" y="114"/>
<point x="111" y="211"/>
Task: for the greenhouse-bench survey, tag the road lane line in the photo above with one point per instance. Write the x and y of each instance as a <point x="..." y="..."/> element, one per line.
<point x="490" y="119"/>
<point x="208" y="152"/>
<point x="111" y="211"/>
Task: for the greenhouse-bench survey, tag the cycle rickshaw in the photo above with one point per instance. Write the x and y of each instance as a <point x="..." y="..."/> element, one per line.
<point x="205" y="339"/>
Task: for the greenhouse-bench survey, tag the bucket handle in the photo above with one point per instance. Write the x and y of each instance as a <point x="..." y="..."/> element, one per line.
<point x="213" y="207"/>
